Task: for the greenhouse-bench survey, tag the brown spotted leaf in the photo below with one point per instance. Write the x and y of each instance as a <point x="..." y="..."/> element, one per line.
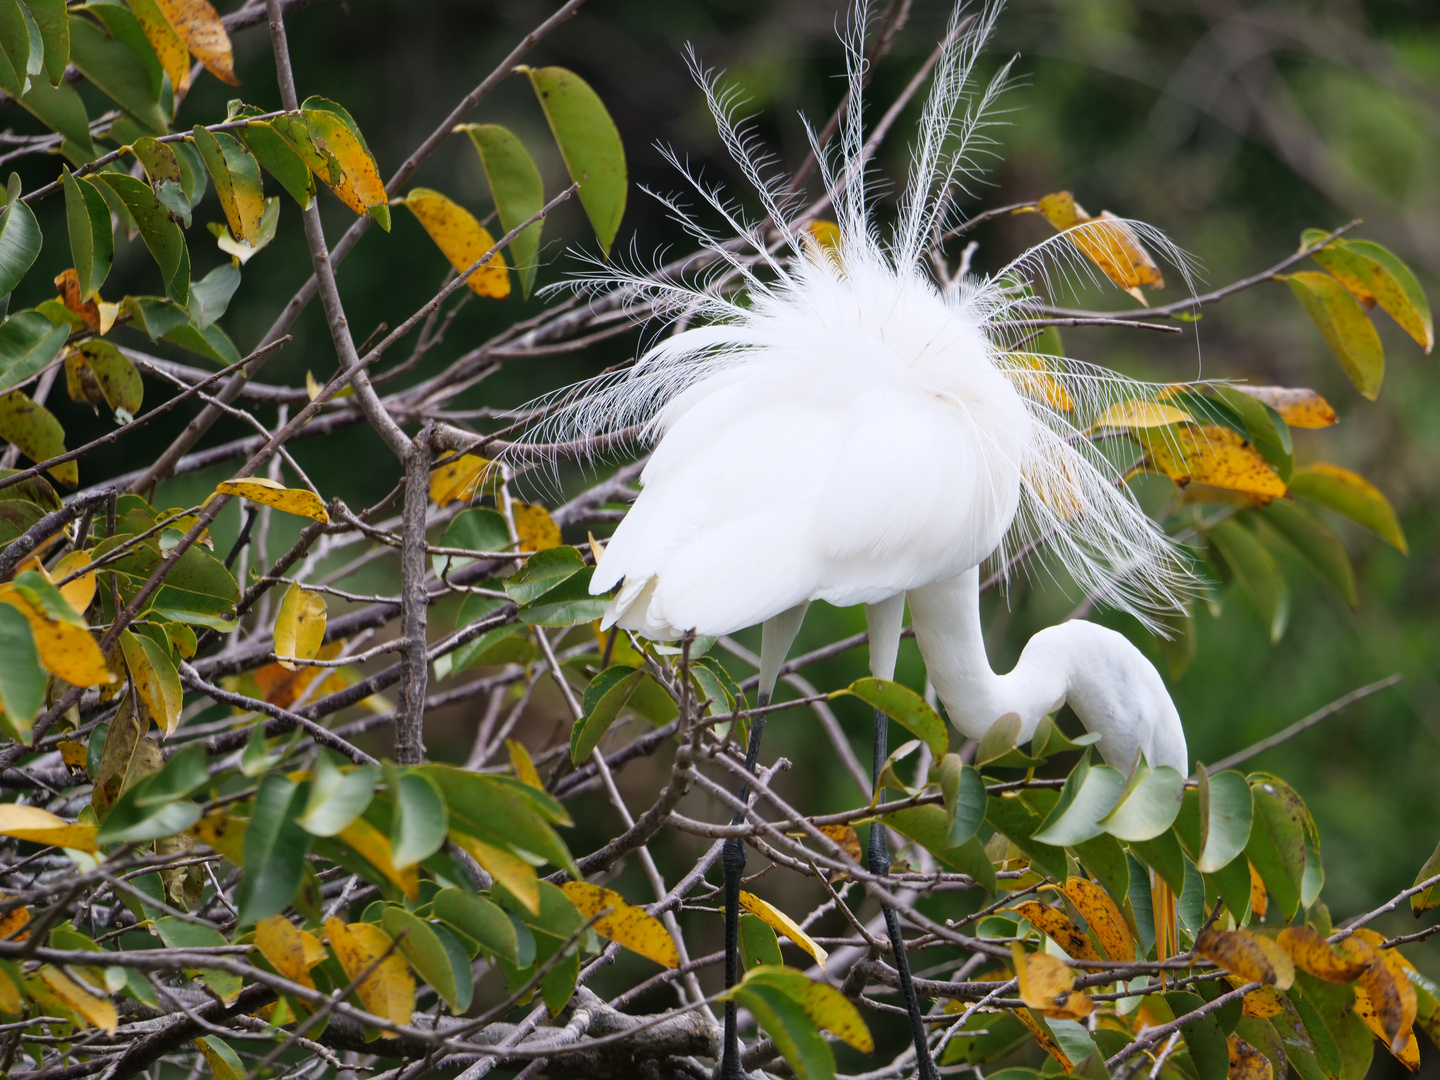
<point x="1300" y="408"/>
<point x="1212" y="455"/>
<point x="1058" y="928"/>
<point x="1102" y="916"/>
<point x="623" y="922"/>
<point x="1312" y="953"/>
<point x="1247" y="1063"/>
<point x="1244" y="955"/>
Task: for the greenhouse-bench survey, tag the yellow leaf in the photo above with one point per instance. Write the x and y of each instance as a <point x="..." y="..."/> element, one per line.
<point x="462" y="240"/>
<point x="76" y="755"/>
<point x="1032" y="374"/>
<point x="1350" y="494"/>
<point x="821" y="239"/>
<point x="1343" y="324"/>
<point x="12" y="1001"/>
<point x="1044" y="1039"/>
<point x="1395" y="966"/>
<point x="66" y="650"/>
<point x="846" y="838"/>
<point x="1246" y="955"/>
<point x="295" y="501"/>
<point x="1212" y="455"/>
<point x="777" y="920"/>
<point x="1310" y="952"/>
<point x="78" y="593"/>
<point x="1054" y="924"/>
<point x="1259" y="1003"/>
<point x="291" y="951"/>
<point x="625" y="924"/>
<point x="389" y="990"/>
<point x="223" y="833"/>
<point x="158" y="686"/>
<point x="1298" y="407"/>
<point x="199" y="26"/>
<point x="374" y="846"/>
<point x="536" y="529"/>
<point x="522" y="765"/>
<point x="511" y="871"/>
<point x="42" y="827"/>
<point x="1108" y="242"/>
<point x="1247" y="1063"/>
<point x="169" y="48"/>
<point x="458" y="480"/>
<point x="299" y="625"/>
<point x="336" y="155"/>
<point x="1259" y="898"/>
<point x="13" y="923"/>
<point x="224" y="1063"/>
<point x="1045" y="984"/>
<point x="1136" y="413"/>
<point x="313" y="388"/>
<point x="97" y="1010"/>
<point x="1103" y="918"/>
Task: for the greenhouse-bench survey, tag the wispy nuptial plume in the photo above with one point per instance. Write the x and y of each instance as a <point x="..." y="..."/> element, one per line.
<point x="848" y="424"/>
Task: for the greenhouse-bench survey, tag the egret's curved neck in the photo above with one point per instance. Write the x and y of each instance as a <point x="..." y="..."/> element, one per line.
<point x="946" y="618"/>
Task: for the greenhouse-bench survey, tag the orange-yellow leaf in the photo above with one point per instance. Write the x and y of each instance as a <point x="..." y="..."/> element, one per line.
<point x="94" y="1008"/>
<point x="68" y="282"/>
<point x="42" y="827"/>
<point x="170" y="48"/>
<point x="535" y="527"/>
<point x="199" y="26"/>
<point x="374" y="845"/>
<point x="622" y="922"/>
<point x="1312" y="953"/>
<point x="13" y="923"/>
<point x="778" y="921"/>
<point x="1259" y="898"/>
<point x="1212" y="455"/>
<point x="462" y="240"/>
<point x="291" y="951"/>
<point x="460" y="479"/>
<point x="1044" y="1039"/>
<point x="1057" y="926"/>
<point x="1045" y="985"/>
<point x="1103" y="917"/>
<point x="846" y="838"/>
<point x="1247" y="956"/>
<point x="389" y="990"/>
<point x="299" y="625"/>
<point x="1034" y="377"/>
<point x="1136" y="413"/>
<point x="1300" y="408"/>
<point x="522" y="765"/>
<point x="1106" y="240"/>
<point x="12" y="999"/>
<point x="223" y="833"/>
<point x="76" y="755"/>
<point x="1247" y="1063"/>
<point x="66" y="650"/>
<point x="517" y="875"/>
<point x="1260" y="1003"/>
<point x="81" y="592"/>
<point x="155" y="679"/>
<point x="297" y="501"/>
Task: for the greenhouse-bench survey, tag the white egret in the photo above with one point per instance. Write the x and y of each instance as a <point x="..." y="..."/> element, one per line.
<point x="836" y="425"/>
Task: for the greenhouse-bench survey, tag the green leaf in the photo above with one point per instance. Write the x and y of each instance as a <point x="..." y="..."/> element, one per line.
<point x="224" y="1063"/>
<point x="126" y="72"/>
<point x="827" y="1008"/>
<point x="34" y="429"/>
<point x="1204" y="1038"/>
<point x="1090" y="793"/>
<point x="999" y="740"/>
<point x="1335" y="1005"/>
<point x="566" y="604"/>
<point x="1354" y="497"/>
<point x="1321" y="1043"/>
<point x="793" y="1032"/>
<point x="1225" y="815"/>
<point x="499" y="814"/>
<point x="92" y="241"/>
<point x="424" y="952"/>
<point x="161" y="318"/>
<point x="1011" y="815"/>
<point x="236" y="173"/>
<point x="22" y="680"/>
<point x="517" y="189"/>
<point x="50" y="18"/>
<point x="417" y="829"/>
<point x="906" y="708"/>
<point x="964" y="792"/>
<point x="1277" y="842"/>
<point x="1148" y="805"/>
<point x="1255" y="568"/>
<point x="929" y="826"/>
<point x="277" y="158"/>
<point x="1420" y="903"/>
<point x="119" y="382"/>
<point x="275" y="850"/>
<point x="337" y="798"/>
<point x="28" y="342"/>
<point x="1316" y="544"/>
<point x="181" y="776"/>
<point x="476" y="529"/>
<point x="480" y="920"/>
<point x="19" y="242"/>
<point x="210" y="296"/>
<point x="1263" y="427"/>
<point x="1374" y="275"/>
<point x="1163" y="855"/>
<point x="758" y="944"/>
<point x="160" y="233"/>
<point x="1343" y="324"/>
<point x="22" y="44"/>
<point x="129" y="822"/>
<point x="460" y="959"/>
<point x="589" y="143"/>
<point x="591" y="728"/>
<point x="61" y="109"/>
<point x="542" y="572"/>
<point x="182" y="934"/>
<point x="198" y="589"/>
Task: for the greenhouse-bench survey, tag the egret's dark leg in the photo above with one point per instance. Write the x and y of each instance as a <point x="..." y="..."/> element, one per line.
<point x="878" y="860"/>
<point x="732" y="859"/>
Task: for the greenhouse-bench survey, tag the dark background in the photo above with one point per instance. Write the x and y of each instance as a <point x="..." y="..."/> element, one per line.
<point x="1233" y="127"/>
